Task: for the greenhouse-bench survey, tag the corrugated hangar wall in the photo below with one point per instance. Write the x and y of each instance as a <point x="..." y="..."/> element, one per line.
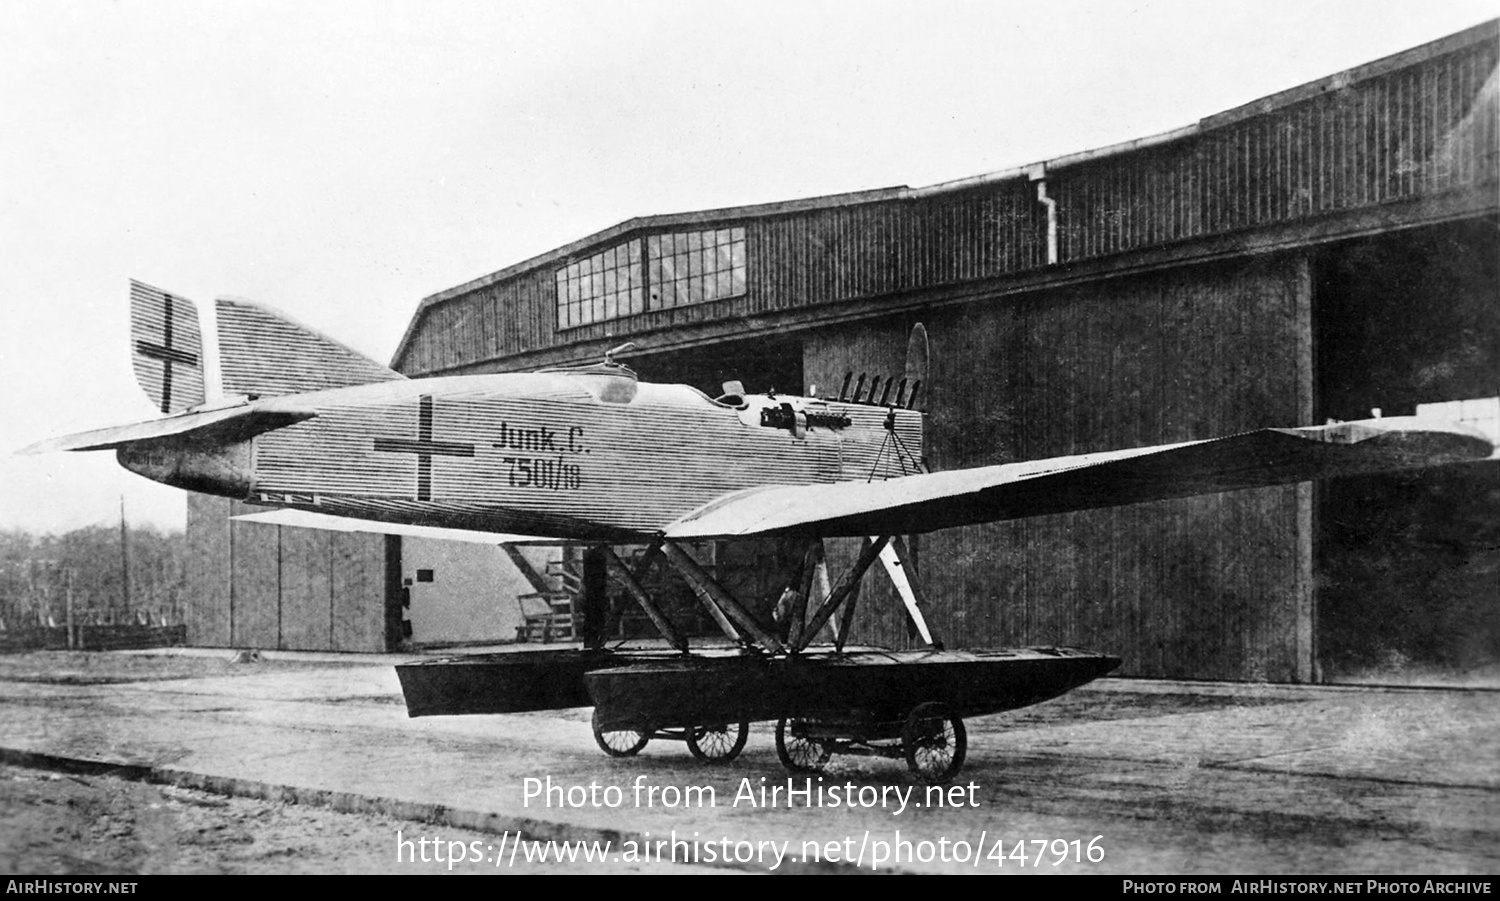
<point x="1213" y="587"/>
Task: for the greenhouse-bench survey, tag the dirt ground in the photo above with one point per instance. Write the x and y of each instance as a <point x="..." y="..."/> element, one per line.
<point x="66" y="823"/>
<point x="56" y="824"/>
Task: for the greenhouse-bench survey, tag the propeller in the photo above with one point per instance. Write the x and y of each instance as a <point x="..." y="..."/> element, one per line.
<point x="916" y="364"/>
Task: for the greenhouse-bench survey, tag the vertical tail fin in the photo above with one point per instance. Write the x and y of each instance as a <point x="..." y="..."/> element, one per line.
<point x="265" y="353"/>
<point x="166" y="347"/>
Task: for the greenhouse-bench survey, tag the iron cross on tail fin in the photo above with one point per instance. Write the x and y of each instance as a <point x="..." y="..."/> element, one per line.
<point x="166" y="348"/>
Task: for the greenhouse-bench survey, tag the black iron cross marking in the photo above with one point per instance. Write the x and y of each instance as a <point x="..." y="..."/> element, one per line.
<point x="424" y="447"/>
<point x="167" y="354"/>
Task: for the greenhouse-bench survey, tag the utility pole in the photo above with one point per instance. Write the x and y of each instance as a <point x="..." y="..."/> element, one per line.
<point x="124" y="557"/>
<point x="68" y="599"/>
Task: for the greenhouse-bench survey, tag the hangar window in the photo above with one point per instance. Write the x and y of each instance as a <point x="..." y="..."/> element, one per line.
<point x="670" y="270"/>
<point x="606" y="285"/>
<point x="695" y="267"/>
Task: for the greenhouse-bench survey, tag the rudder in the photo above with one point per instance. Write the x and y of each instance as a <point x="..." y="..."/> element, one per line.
<point x="166" y="347"/>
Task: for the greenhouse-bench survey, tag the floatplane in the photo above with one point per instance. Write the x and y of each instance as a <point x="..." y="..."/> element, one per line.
<point x="592" y="456"/>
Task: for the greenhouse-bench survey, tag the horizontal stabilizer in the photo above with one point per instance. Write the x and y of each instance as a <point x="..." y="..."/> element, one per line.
<point x="265" y="353"/>
<point x="307" y="519"/>
<point x="924" y="503"/>
<point x="166" y="348"/>
<point x="224" y="426"/>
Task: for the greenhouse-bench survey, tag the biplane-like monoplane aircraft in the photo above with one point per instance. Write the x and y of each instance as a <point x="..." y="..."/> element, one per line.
<point x="593" y="456"/>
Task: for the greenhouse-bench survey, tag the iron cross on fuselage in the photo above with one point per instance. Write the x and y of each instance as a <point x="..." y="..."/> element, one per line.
<point x="166" y="353"/>
<point x="424" y="447"/>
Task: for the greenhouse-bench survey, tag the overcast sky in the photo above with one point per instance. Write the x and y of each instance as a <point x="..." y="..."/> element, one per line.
<point x="343" y="160"/>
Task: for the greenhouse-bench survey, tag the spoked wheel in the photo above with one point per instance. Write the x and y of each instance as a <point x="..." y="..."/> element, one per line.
<point x="719" y="743"/>
<point x="797" y="752"/>
<point x="619" y="742"/>
<point x="934" y="743"/>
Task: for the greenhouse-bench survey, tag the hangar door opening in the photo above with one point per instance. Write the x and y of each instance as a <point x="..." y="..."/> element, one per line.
<point x="1408" y="565"/>
<point x="761" y="364"/>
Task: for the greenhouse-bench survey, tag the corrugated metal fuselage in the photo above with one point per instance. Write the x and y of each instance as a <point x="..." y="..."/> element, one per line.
<point x="585" y="455"/>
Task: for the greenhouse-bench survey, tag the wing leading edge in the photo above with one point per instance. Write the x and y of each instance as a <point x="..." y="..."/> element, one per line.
<point x="925" y="503"/>
<point x="306" y="519"/>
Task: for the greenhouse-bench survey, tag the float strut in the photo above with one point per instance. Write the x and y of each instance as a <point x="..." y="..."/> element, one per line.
<point x="867" y="555"/>
<point x="626" y="578"/>
<point x="716" y="598"/>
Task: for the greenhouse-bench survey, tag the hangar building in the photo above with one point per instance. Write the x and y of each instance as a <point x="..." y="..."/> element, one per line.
<point x="1311" y="255"/>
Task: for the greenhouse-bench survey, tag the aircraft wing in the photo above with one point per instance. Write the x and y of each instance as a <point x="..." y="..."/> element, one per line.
<point x="924" y="503"/>
<point x="306" y="519"/>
